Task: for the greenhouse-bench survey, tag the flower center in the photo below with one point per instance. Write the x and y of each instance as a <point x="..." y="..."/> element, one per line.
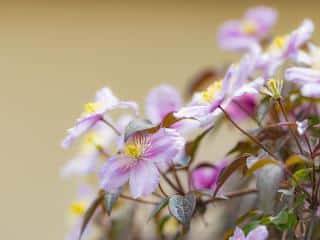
<point x="133" y="150"/>
<point x="248" y="27"/>
<point x="90" y="107"/>
<point x="78" y="208"/>
<point x="278" y="42"/>
<point x="211" y="92"/>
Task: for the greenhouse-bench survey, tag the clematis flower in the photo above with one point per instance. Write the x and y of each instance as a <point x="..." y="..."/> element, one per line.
<point x="285" y="48"/>
<point x="140" y="160"/>
<point x="259" y="233"/>
<point x="204" y="105"/>
<point x="245" y="34"/>
<point x="97" y="143"/>
<point x="86" y="161"/>
<point x="104" y="102"/>
<point x="206" y="176"/>
<point x="76" y="212"/>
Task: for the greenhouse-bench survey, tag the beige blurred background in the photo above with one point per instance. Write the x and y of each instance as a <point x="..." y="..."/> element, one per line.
<point x="55" y="54"/>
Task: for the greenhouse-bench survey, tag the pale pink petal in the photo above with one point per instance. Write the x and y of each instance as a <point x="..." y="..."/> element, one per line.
<point x="144" y="179"/>
<point x="263" y="17"/>
<point x="81" y="165"/>
<point x="82" y="126"/>
<point x="106" y="101"/>
<point x="231" y="37"/>
<point x="241" y="108"/>
<point x="195" y="111"/>
<point x="161" y="101"/>
<point x="238" y="235"/>
<point x="164" y="146"/>
<point x="115" y="172"/>
<point x="302" y="75"/>
<point x="259" y="233"/>
<point x="311" y="90"/>
<point x="298" y="37"/>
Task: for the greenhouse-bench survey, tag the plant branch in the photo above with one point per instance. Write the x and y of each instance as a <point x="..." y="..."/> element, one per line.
<point x="137" y="200"/>
<point x="111" y="126"/>
<point x="290" y="128"/>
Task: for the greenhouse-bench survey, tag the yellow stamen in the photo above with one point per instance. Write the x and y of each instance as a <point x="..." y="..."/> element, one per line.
<point x="90" y="107"/>
<point x="78" y="208"/>
<point x="90" y="139"/>
<point x="133" y="150"/>
<point x="278" y="42"/>
<point x="212" y="91"/>
<point x="272" y="84"/>
<point x="275" y="87"/>
<point x="249" y="27"/>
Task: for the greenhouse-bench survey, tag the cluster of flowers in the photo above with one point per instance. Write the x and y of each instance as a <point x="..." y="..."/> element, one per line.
<point x="276" y="85"/>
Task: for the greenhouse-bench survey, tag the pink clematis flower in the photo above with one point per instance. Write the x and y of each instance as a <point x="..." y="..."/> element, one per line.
<point x="245" y="34"/>
<point x="97" y="143"/>
<point x="259" y="233"/>
<point x="140" y="160"/>
<point x="285" y="48"/>
<point x="204" y="105"/>
<point x="206" y="177"/>
<point x="104" y="102"/>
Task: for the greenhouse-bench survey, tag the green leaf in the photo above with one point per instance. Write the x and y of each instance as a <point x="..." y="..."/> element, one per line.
<point x="303" y="174"/>
<point x="249" y="214"/>
<point x="158" y="208"/>
<point x="89" y="213"/>
<point x="249" y="227"/>
<point x="182" y="207"/>
<point x="243" y="147"/>
<point x="285" y="220"/>
<point x="260" y="164"/>
<point x="109" y="200"/>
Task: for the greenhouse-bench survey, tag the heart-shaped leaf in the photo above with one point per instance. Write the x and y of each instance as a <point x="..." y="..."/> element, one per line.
<point x="109" y="200"/>
<point x="182" y="207"/>
<point x="137" y="125"/>
<point x="158" y="207"/>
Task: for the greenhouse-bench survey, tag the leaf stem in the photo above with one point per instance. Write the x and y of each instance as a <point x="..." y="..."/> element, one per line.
<point x="234" y="194"/>
<point x="252" y="138"/>
<point x="137" y="200"/>
<point x="111" y="126"/>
